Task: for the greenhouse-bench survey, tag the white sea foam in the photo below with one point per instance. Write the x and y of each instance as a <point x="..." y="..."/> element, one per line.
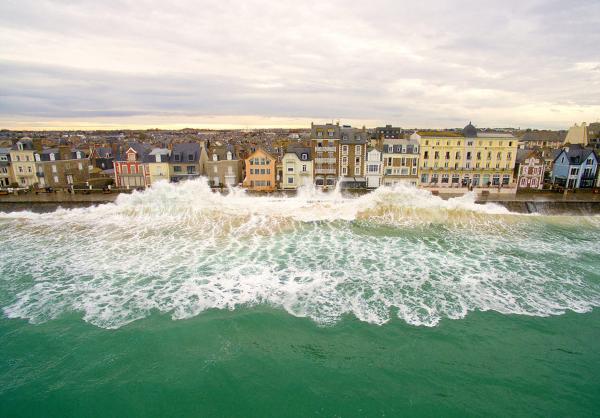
<point x="184" y="249"/>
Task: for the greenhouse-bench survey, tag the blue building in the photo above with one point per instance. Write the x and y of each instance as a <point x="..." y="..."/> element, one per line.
<point x="575" y="167"/>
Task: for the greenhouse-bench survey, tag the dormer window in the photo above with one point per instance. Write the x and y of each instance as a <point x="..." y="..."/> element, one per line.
<point x="52" y="157"/>
<point x="190" y="157"/>
<point x="304" y="156"/>
<point x="20" y="146"/>
<point x="177" y="158"/>
<point x="229" y="155"/>
<point x="215" y="158"/>
<point x="78" y="155"/>
<point x="37" y="157"/>
<point x="158" y="158"/>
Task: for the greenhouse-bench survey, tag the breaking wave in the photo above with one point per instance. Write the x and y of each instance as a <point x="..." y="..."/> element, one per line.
<point x="398" y="251"/>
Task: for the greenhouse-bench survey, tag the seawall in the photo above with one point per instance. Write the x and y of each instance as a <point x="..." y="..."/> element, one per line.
<point x="542" y="203"/>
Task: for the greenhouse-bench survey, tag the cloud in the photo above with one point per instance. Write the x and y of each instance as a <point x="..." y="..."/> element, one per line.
<point x="433" y="63"/>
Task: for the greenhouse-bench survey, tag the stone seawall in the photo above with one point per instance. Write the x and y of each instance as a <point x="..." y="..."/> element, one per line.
<point x="542" y="203"/>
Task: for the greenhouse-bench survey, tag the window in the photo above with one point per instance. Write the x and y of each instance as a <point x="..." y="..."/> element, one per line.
<point x="304" y="168"/>
<point x="373" y="168"/>
<point x="496" y="179"/>
<point x="424" y="178"/>
<point x="344" y="149"/>
<point x="251" y="171"/>
<point x="455" y="178"/>
<point x="290" y="169"/>
<point x="290" y="180"/>
<point x="177" y="157"/>
<point x="436" y="155"/>
<point x="190" y="157"/>
<point x="505" y="179"/>
<point x="357" y="170"/>
<point x="52" y="157"/>
<point x="444" y="178"/>
<point x="344" y="160"/>
<point x="262" y="171"/>
<point x="55" y="179"/>
<point x="426" y="155"/>
<point x="268" y="171"/>
<point x="357" y="149"/>
<point x="457" y="155"/>
<point x="447" y="155"/>
<point x="469" y="143"/>
<point x="54" y="168"/>
<point x="574" y="171"/>
<point x="80" y="166"/>
<point x="177" y="169"/>
<point x="357" y="160"/>
<point x="344" y="170"/>
<point x="191" y="169"/>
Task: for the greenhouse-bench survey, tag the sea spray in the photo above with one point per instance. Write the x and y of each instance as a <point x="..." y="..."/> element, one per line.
<point x="182" y="249"/>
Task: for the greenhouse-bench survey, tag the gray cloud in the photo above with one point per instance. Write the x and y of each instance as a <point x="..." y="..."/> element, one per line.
<point x="435" y="63"/>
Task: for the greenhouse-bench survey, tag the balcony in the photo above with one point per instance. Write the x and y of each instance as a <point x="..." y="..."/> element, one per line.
<point x="325" y="171"/>
<point x="325" y="160"/>
<point x="325" y="149"/>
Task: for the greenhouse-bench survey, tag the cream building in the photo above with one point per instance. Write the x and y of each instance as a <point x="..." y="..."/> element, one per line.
<point x="297" y="168"/>
<point x="158" y="165"/>
<point x="578" y="134"/>
<point x="400" y="161"/>
<point x="466" y="159"/>
<point x="22" y="157"/>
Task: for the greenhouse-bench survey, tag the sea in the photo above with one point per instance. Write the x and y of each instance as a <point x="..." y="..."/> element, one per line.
<point x="182" y="302"/>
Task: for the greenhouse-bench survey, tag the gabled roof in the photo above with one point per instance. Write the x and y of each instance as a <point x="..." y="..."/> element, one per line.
<point x="523" y="154"/>
<point x="577" y="154"/>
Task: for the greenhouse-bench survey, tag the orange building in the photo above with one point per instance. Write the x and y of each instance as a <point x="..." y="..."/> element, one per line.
<point x="260" y="171"/>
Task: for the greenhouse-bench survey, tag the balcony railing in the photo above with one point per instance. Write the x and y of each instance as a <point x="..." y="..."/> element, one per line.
<point x="325" y="160"/>
<point x="325" y="149"/>
<point x="325" y="171"/>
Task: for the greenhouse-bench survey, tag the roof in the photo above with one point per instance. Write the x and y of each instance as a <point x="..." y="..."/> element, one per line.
<point x="188" y="152"/>
<point x="494" y="135"/>
<point x="353" y="136"/>
<point x="221" y="152"/>
<point x="577" y="154"/>
<point x="300" y="151"/>
<point x="440" y="134"/>
<point x="523" y="154"/>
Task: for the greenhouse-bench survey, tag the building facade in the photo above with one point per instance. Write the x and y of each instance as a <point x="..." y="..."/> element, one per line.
<point x="466" y="159"/>
<point x="187" y="161"/>
<point x="62" y="167"/>
<point x="6" y="174"/>
<point x="260" y="171"/>
<point x="297" y="168"/>
<point x="352" y="157"/>
<point x="22" y="159"/>
<point x="400" y="161"/>
<point x="131" y="169"/>
<point x="158" y="165"/>
<point x="529" y="169"/>
<point x="575" y="167"/>
<point x="223" y="168"/>
<point x="324" y="141"/>
<point x="373" y="168"/>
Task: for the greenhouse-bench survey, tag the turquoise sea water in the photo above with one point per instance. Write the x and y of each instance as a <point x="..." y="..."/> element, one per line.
<point x="178" y="302"/>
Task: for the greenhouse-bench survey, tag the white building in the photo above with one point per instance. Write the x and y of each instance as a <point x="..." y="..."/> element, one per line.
<point x="297" y="169"/>
<point x="373" y="168"/>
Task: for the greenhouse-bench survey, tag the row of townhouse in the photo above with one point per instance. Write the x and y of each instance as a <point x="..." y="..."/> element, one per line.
<point x="27" y="164"/>
<point x="346" y="155"/>
<point x="140" y="165"/>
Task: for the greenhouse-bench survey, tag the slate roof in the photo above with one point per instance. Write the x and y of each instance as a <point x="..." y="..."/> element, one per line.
<point x="577" y="154"/>
<point x="186" y="153"/>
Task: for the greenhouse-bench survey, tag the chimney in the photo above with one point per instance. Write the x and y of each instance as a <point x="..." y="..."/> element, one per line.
<point x="64" y="151"/>
<point x="37" y="144"/>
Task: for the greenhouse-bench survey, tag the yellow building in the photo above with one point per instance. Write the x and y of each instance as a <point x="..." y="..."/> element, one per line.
<point x="22" y="157"/>
<point x="466" y="159"/>
<point x="158" y="165"/>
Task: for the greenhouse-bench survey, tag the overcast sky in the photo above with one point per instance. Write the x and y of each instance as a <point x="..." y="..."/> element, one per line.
<point x="205" y="63"/>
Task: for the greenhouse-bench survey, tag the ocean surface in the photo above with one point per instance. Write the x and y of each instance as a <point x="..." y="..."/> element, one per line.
<point x="182" y="302"/>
